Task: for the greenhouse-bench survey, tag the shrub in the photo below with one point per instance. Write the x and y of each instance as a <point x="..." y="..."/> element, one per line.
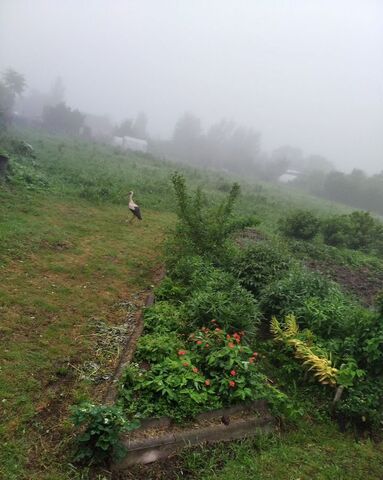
<point x="162" y="317"/>
<point x="361" y="404"/>
<point x="358" y="231"/>
<point x="155" y="347"/>
<point x="317" y="360"/>
<point x="100" y="439"/>
<point x="336" y="230"/>
<point x="202" y="229"/>
<point x="300" y="224"/>
<point x="223" y="299"/>
<point x="289" y="293"/>
<point x="229" y="365"/>
<point x="26" y="175"/>
<point x="363" y="230"/>
<point x="260" y="264"/>
<point x="170" y="290"/>
<point x="379" y="302"/>
<point x="328" y="316"/>
<point x="189" y="271"/>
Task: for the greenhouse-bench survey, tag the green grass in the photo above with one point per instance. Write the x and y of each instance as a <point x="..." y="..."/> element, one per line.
<point x="309" y="452"/>
<point x="67" y="256"/>
<point x="64" y="262"/>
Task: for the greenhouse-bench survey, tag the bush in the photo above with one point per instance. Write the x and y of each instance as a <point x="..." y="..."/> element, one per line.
<point x="26" y="175"/>
<point x="155" y="347"/>
<point x="361" y="404"/>
<point x="189" y="271"/>
<point x="300" y="224"/>
<point x="358" y="231"/>
<point x="162" y="317"/>
<point x="170" y="290"/>
<point x="222" y="298"/>
<point x="101" y="438"/>
<point x="202" y="230"/>
<point x="260" y="264"/>
<point x="289" y="293"/>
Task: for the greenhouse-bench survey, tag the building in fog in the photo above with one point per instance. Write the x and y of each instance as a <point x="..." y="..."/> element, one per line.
<point x="289" y="176"/>
<point x="130" y="143"/>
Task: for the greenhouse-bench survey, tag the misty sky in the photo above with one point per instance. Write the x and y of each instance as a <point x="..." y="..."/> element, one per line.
<point x="308" y="73"/>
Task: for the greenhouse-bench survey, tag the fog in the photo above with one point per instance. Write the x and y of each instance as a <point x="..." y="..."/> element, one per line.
<point x="302" y="73"/>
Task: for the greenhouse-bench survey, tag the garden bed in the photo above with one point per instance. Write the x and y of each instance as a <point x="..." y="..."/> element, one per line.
<point x="157" y="438"/>
<point x="160" y="438"/>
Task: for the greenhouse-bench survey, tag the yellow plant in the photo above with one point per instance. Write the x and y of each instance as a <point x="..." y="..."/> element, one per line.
<point x="321" y="367"/>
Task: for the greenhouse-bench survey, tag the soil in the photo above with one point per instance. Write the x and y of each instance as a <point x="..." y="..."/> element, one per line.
<point x="172" y="468"/>
<point x="364" y="283"/>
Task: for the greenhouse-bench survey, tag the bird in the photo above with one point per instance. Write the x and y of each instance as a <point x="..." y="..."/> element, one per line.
<point x="134" y="208"/>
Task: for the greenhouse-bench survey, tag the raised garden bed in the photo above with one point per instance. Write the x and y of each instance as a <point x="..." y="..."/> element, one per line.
<point x="160" y="438"/>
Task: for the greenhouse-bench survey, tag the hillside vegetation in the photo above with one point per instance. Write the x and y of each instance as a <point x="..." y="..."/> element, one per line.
<point x="73" y="273"/>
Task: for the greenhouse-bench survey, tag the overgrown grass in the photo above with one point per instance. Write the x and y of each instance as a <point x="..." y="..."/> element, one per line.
<point x="312" y="451"/>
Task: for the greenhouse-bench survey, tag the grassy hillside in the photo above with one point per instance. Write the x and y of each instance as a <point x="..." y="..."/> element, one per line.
<point x="72" y="268"/>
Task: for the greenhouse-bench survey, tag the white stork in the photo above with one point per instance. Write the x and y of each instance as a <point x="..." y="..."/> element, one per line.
<point x="134" y="208"/>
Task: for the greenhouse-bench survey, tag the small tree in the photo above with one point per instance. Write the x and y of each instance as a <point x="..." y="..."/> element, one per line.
<point x="202" y="229"/>
<point x="14" y="81"/>
<point x="12" y="85"/>
<point x="62" y="119"/>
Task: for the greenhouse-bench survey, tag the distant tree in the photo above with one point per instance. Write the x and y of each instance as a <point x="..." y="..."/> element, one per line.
<point x="187" y="130"/>
<point x="217" y="141"/>
<point x="233" y="147"/>
<point x="32" y="104"/>
<point x="100" y="125"/>
<point x="62" y="119"/>
<point x="57" y="93"/>
<point x="11" y="86"/>
<point x="355" y="189"/>
<point x="244" y="146"/>
<point x="188" y="138"/>
<point x="273" y="169"/>
<point x="139" y="126"/>
<point x="14" y="81"/>
<point x="291" y="156"/>
<point x="312" y="181"/>
<point x="318" y="163"/>
<point x="335" y="186"/>
<point x="124" y="129"/>
<point x="6" y="104"/>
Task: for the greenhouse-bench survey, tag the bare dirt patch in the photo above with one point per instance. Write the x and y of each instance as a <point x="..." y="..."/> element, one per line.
<point x="363" y="282"/>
